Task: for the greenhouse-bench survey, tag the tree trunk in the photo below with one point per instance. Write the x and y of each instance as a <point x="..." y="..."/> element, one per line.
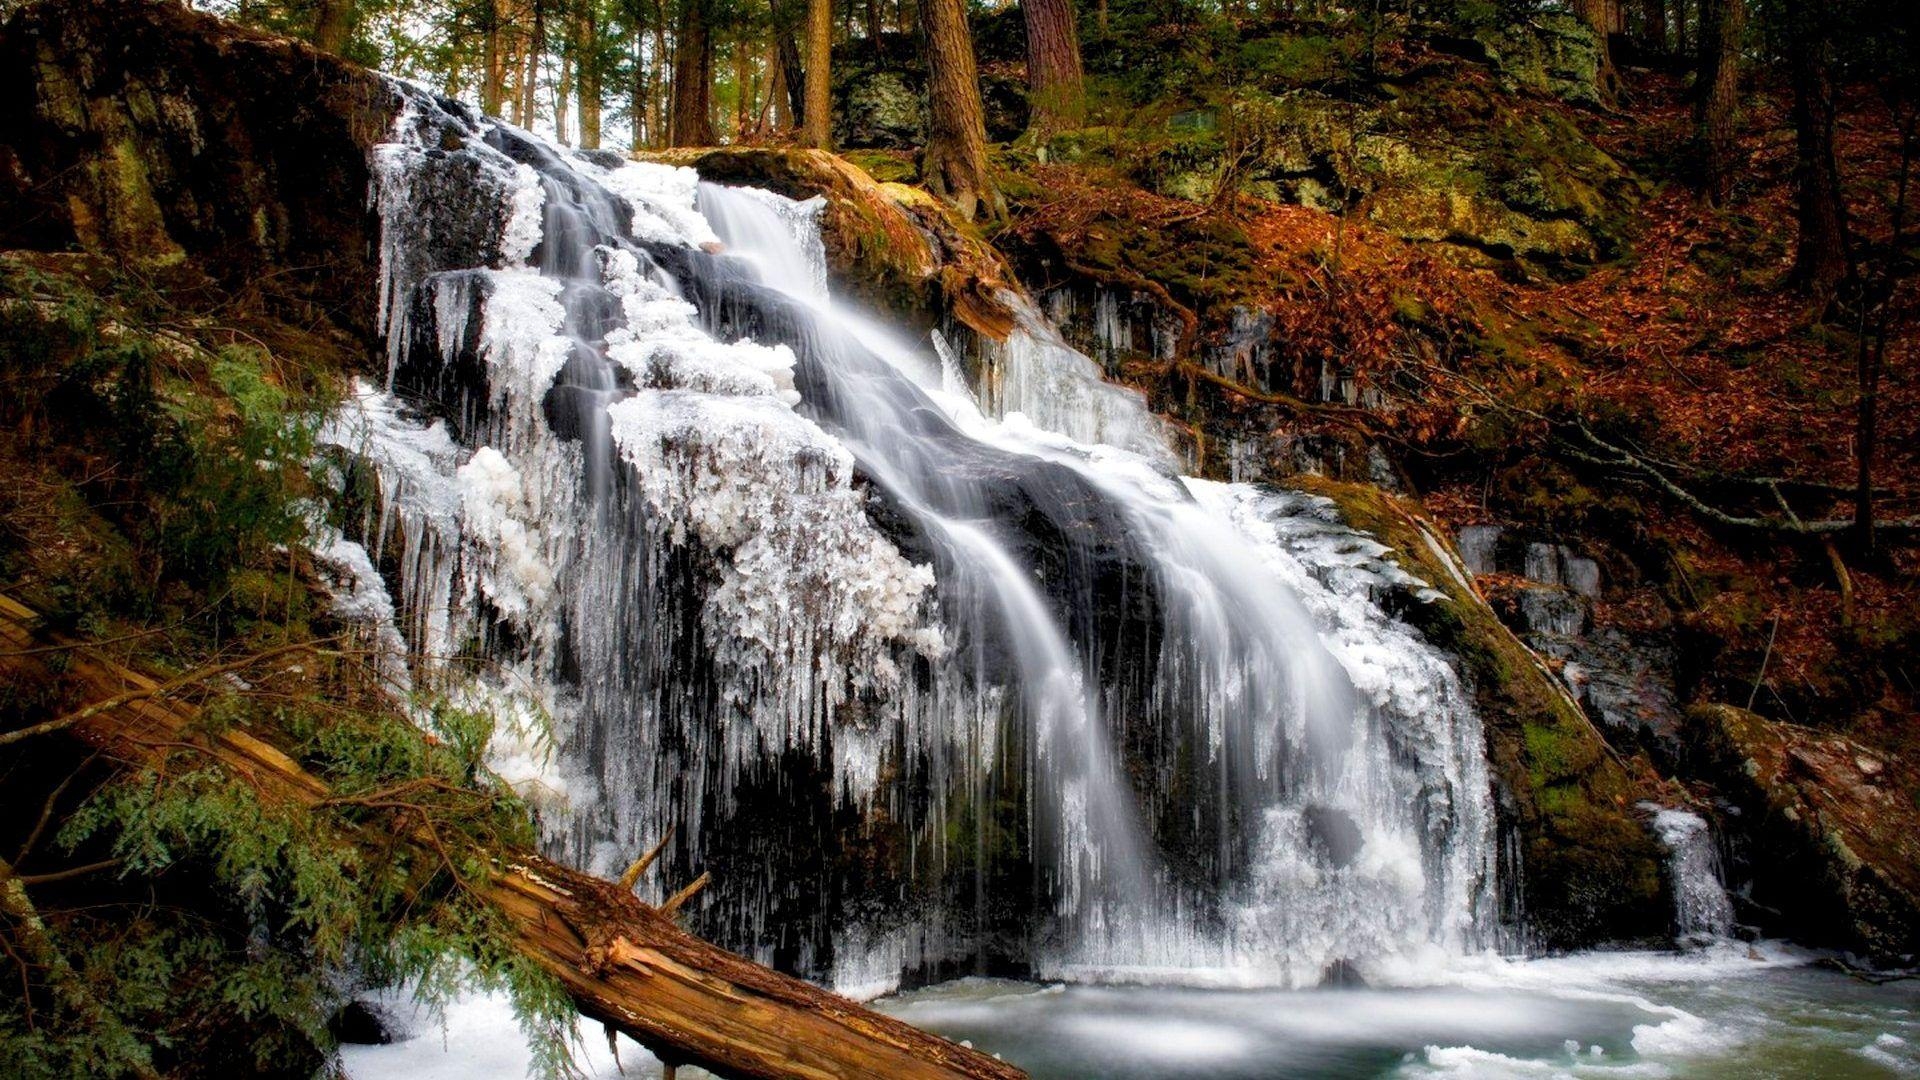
<point x="1716" y="108"/>
<point x="796" y="71"/>
<point x="816" y="116"/>
<point x="494" y="78"/>
<point x="954" y="165"/>
<point x="657" y="86"/>
<point x="624" y="963"/>
<point x="530" y="81"/>
<point x="586" y="75"/>
<point x="1680" y="39"/>
<point x="563" y="93"/>
<point x="1821" y="260"/>
<point x="1053" y="68"/>
<point x="692" y="120"/>
<point x="779" y="101"/>
<point x="1653" y="28"/>
<point x="638" y="97"/>
<point x="742" y="88"/>
<point x="332" y="25"/>
<point x="1878" y="322"/>
<point x="1602" y="17"/>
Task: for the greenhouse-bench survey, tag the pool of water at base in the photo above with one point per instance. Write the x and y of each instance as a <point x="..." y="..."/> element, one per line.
<point x="1732" y="1010"/>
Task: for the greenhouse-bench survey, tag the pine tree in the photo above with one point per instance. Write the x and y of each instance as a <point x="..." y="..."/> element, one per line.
<point x="816" y="116"/>
<point x="691" y="123"/>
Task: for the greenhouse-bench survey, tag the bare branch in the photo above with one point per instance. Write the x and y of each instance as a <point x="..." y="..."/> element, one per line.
<point x="161" y="690"/>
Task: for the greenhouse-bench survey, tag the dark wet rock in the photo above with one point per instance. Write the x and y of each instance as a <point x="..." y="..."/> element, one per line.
<point x="1545" y="592"/>
<point x="1334" y="834"/>
<point x="362" y="1023"/>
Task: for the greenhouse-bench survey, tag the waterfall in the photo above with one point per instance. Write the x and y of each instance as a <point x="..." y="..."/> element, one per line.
<point x="1701" y="909"/>
<point x="932" y="677"/>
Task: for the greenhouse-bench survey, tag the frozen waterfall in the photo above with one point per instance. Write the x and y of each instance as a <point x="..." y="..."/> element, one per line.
<point x="933" y="677"/>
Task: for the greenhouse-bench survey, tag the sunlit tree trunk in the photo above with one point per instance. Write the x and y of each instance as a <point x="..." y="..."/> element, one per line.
<point x="1821" y="259"/>
<point x="692" y="119"/>
<point x="586" y="75"/>
<point x="1053" y="67"/>
<point x="1716" y="108"/>
<point x="494" y="76"/>
<point x="657" y="101"/>
<point x="562" y="91"/>
<point x="816" y="116"/>
<point x="638" y="97"/>
<point x="332" y="25"/>
<point x="954" y="165"/>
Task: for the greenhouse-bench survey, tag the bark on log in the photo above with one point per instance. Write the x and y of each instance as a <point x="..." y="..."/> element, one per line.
<point x="624" y="962"/>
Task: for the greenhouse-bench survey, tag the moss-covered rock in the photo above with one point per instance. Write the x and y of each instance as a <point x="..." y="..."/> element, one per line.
<point x="1829" y="830"/>
<point x="1589" y="870"/>
<point x="879" y="110"/>
<point x="889" y="245"/>
<point x="1552" y="53"/>
<point x="880" y="96"/>
<point x="1487" y="174"/>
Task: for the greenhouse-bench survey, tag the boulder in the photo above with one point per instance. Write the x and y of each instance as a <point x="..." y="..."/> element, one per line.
<point x="888" y="245"/>
<point x="1828" y="831"/>
<point x="161" y="150"/>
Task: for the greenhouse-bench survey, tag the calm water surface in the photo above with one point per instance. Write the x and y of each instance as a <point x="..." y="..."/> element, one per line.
<point x="1729" y="1012"/>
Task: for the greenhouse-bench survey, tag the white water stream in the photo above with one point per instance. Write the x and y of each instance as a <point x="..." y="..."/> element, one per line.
<point x="1113" y="722"/>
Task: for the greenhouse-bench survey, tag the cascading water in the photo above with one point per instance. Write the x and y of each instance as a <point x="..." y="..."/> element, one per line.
<point x="926" y="685"/>
<point x="1702" y="911"/>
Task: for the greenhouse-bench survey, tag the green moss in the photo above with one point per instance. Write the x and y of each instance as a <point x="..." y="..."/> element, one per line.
<point x="886" y="166"/>
<point x="1592" y="869"/>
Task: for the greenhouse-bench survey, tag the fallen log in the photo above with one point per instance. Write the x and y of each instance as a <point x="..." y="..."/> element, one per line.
<point x="624" y="962"/>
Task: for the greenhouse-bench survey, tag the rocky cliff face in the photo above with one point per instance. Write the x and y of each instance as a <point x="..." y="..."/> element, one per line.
<point x="175" y="143"/>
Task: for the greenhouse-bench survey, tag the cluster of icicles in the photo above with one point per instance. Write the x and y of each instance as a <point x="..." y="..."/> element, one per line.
<point x="928" y="682"/>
